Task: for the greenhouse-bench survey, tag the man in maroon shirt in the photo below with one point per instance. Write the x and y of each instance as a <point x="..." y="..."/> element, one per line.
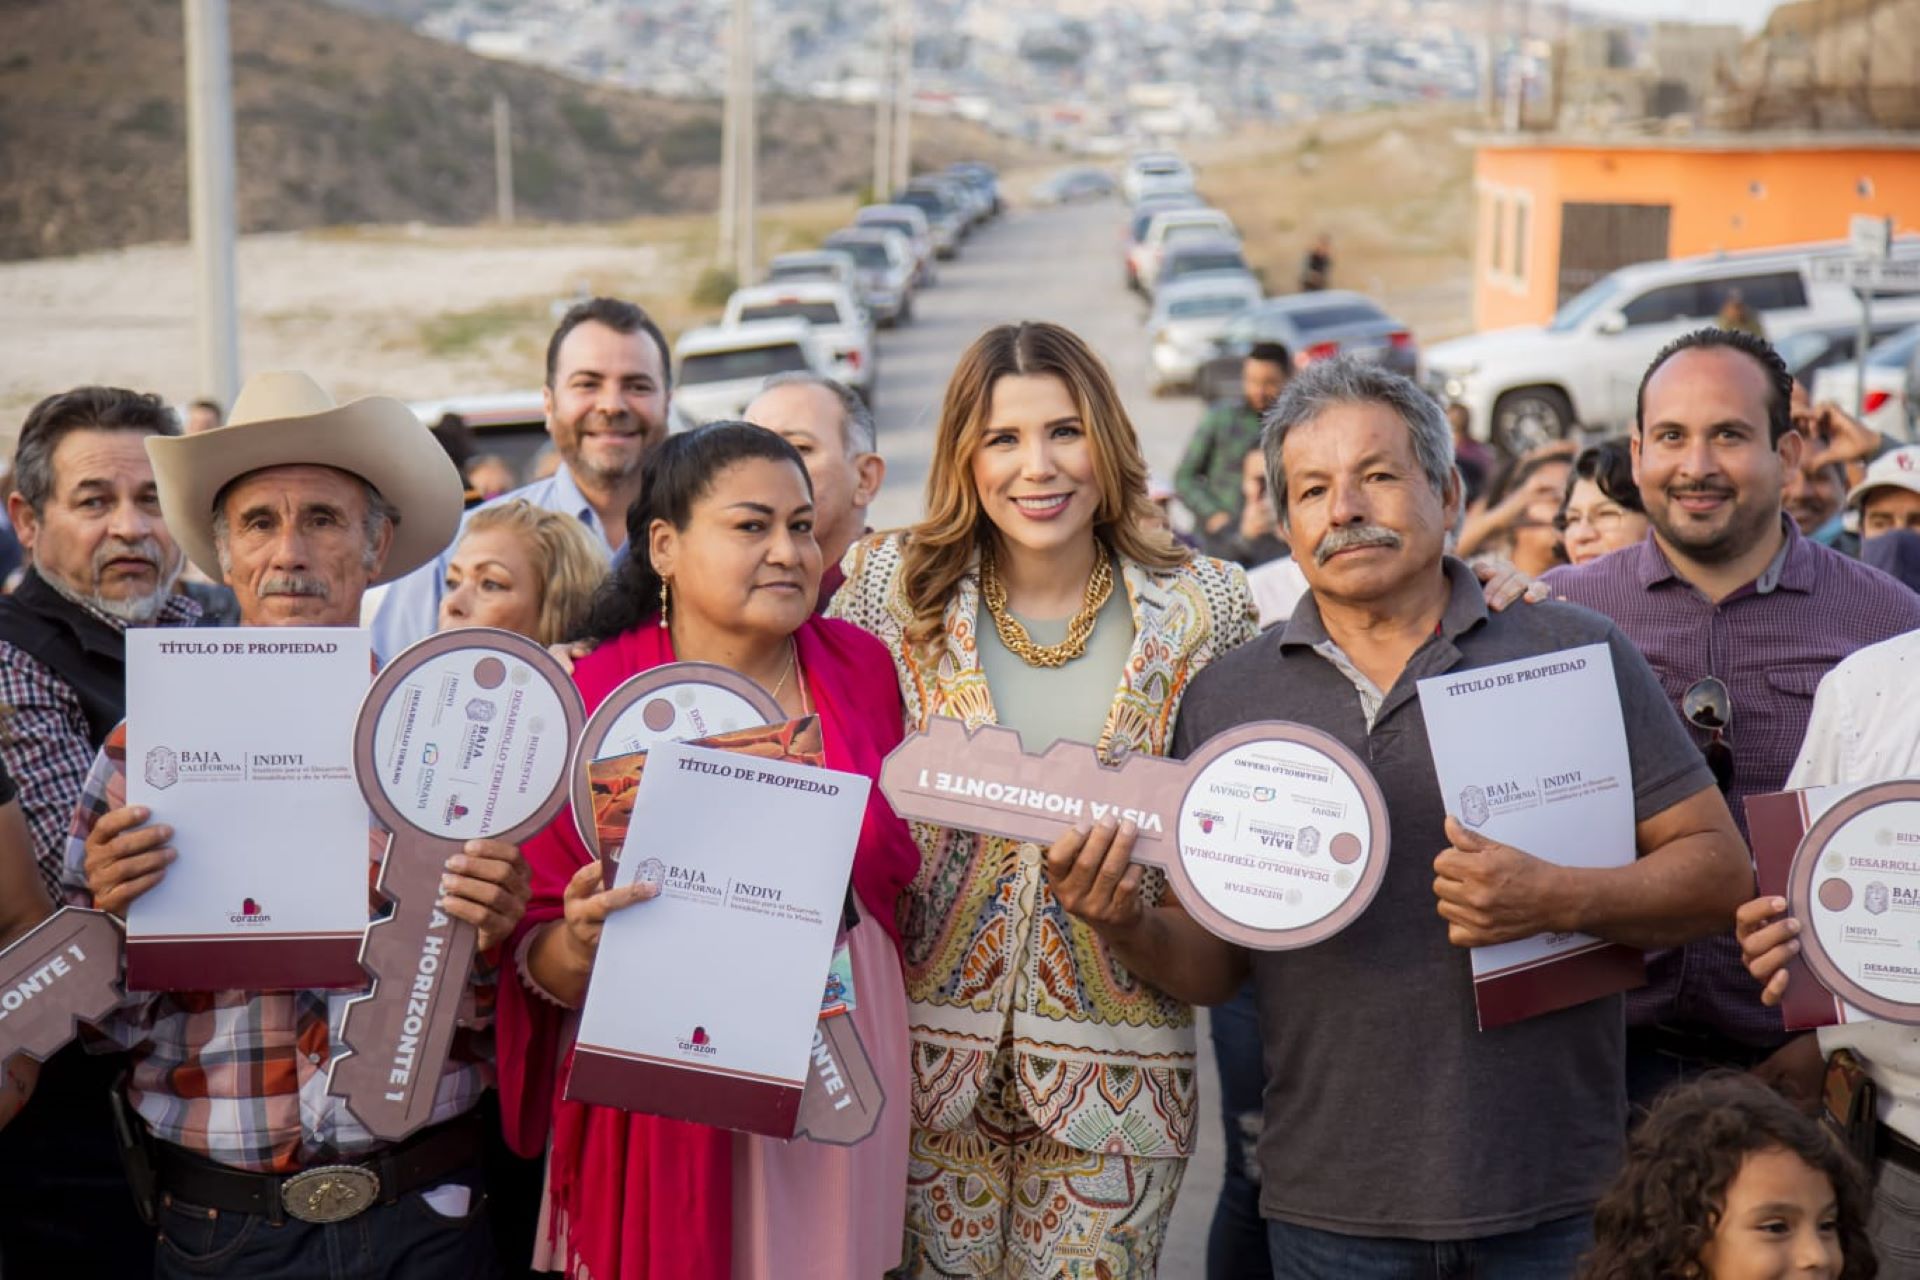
<point x="1740" y="615"/>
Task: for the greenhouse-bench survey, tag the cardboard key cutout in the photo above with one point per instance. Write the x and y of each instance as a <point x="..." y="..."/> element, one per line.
<point x="678" y="702"/>
<point x="65" y="971"/>
<point x="466" y="734"/>
<point x="1855" y="887"/>
<point x="1273" y="835"/>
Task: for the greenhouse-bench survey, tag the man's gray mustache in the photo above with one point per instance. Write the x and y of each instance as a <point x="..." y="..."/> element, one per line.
<point x="147" y="549"/>
<point x="1348" y="537"/>
<point x="293" y="584"/>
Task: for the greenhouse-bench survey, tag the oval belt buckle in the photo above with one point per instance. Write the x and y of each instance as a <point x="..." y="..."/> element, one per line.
<point x="330" y="1193"/>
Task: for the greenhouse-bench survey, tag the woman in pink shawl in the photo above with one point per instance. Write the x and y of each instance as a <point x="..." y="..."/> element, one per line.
<point x="721" y="567"/>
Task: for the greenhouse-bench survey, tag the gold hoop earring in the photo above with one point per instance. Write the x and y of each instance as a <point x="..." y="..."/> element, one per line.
<point x="663" y="604"/>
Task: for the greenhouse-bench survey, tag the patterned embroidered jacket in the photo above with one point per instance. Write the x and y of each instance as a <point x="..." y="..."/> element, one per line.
<point x="1103" y="1062"/>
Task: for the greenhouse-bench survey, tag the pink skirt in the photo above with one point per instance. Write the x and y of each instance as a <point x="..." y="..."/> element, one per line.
<point x="803" y="1210"/>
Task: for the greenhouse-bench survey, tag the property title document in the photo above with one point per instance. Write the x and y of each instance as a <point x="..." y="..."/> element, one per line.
<point x="241" y="740"/>
<point x="1533" y="754"/>
<point x="704" y="1000"/>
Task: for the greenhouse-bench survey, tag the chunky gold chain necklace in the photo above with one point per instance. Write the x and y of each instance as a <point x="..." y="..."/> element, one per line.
<point x="1079" y="629"/>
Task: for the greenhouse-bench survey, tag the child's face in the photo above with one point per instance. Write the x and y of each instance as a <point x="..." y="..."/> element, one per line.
<point x="1780" y="1221"/>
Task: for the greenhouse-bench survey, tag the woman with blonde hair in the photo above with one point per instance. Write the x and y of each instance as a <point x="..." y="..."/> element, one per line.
<point x="1053" y="1094"/>
<point x="523" y="568"/>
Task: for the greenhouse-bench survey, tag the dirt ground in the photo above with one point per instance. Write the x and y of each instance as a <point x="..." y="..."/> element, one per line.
<point x="414" y="312"/>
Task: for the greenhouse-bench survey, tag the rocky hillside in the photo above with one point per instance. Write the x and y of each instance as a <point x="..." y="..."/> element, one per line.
<point x="344" y="118"/>
<point x="1828" y="64"/>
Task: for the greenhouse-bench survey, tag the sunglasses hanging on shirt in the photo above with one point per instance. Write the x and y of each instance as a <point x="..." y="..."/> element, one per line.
<point x="1708" y="706"/>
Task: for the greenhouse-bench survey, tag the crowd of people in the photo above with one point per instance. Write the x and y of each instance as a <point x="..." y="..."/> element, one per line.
<point x="1029" y="1009"/>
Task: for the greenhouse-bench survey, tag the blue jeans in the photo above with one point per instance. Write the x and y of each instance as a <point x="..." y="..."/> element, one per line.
<point x="1549" y="1251"/>
<point x="405" y="1240"/>
<point x="1237" y="1240"/>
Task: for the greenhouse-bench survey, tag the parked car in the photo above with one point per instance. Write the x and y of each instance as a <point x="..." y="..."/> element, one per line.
<point x="969" y="199"/>
<point x="885" y="261"/>
<point x="1074" y="184"/>
<point x="835" y="266"/>
<point x="841" y="325"/>
<point x="1154" y="172"/>
<point x="1807" y="351"/>
<point x="981" y="178"/>
<point x="1187" y="317"/>
<point x="946" y="219"/>
<point x="1141" y="216"/>
<point x="910" y="221"/>
<point x="1209" y="256"/>
<point x="1170" y="225"/>
<point x="511" y="424"/>
<point x="721" y="368"/>
<point x="1528" y="385"/>
<point x="1885" y="403"/>
<point x="1309" y="327"/>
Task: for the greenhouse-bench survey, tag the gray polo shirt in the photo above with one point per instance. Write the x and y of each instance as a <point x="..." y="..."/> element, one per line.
<point x="1388" y="1112"/>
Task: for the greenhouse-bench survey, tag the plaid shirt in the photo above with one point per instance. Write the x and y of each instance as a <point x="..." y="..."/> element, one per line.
<point x="46" y="744"/>
<point x="241" y="1076"/>
<point x="1770" y="642"/>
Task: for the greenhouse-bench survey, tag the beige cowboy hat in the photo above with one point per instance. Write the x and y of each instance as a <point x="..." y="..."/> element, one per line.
<point x="288" y="419"/>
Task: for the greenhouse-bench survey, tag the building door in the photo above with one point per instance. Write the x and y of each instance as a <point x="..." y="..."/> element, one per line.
<point x="1598" y="238"/>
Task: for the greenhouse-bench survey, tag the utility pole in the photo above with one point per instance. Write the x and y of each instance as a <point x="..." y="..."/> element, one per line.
<point x="747" y="146"/>
<point x="739" y="149"/>
<point x="210" y="197"/>
<point x="883" y="120"/>
<point x="502" y="160"/>
<point x="1492" y="24"/>
<point x="903" y="93"/>
<point x="729" y="155"/>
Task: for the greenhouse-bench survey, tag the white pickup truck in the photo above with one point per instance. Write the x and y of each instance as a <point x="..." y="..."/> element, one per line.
<point x="719" y="370"/>
<point x="842" y="326"/>
<point x="1526" y="386"/>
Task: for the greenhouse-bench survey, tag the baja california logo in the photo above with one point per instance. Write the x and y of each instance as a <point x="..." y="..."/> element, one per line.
<point x="1473" y="805"/>
<point x="1306" y="841"/>
<point x="480" y="711"/>
<point x="1876" y="898"/>
<point x="250" y="912"/>
<point x="163" y="767"/>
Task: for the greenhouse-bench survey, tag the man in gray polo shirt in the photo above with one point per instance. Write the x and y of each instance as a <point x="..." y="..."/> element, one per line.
<point x="1398" y="1139"/>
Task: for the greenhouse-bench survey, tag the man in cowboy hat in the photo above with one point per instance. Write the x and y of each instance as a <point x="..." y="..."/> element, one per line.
<point x="299" y="505"/>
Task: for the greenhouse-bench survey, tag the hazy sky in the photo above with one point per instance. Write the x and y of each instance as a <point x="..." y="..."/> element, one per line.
<point x="1748" y="13"/>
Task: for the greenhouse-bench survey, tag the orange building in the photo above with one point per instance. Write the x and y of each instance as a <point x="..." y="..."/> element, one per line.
<point x="1557" y="213"/>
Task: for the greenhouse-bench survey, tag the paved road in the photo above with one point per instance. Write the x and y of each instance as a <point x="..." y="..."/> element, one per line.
<point x="1061" y="265"/>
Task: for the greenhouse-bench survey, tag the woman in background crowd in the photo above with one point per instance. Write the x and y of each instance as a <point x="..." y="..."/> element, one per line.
<point x="1602" y="511"/>
<point x="1053" y="1103"/>
<point x="522" y="568"/>
<point x="1518" y="520"/>
<point x="722" y="568"/>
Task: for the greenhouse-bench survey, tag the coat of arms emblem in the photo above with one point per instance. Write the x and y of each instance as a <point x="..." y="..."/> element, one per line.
<point x="1473" y="805"/>
<point x="163" y="767"/>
